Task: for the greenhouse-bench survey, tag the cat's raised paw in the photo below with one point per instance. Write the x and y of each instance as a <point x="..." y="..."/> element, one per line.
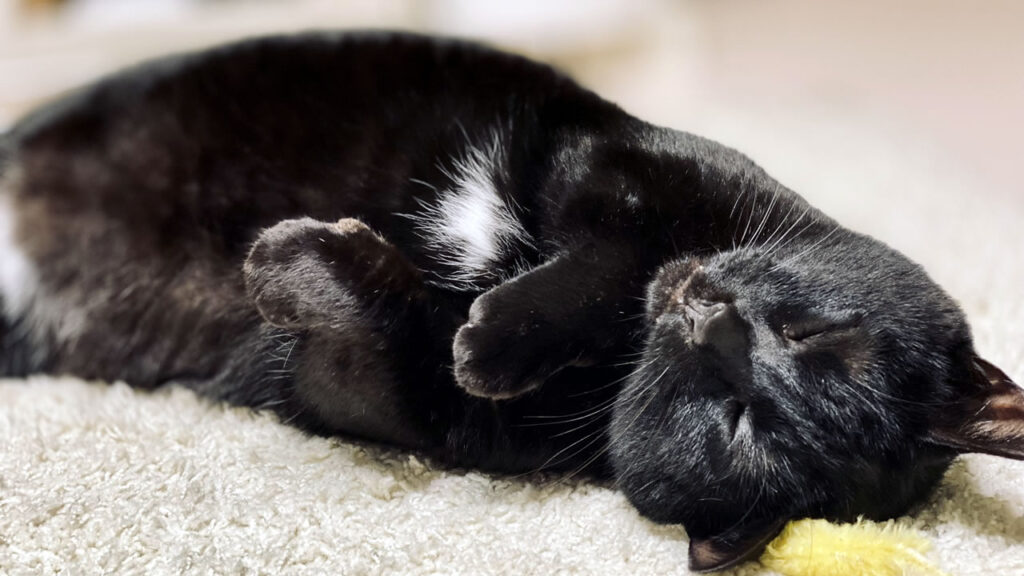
<point x="498" y="352"/>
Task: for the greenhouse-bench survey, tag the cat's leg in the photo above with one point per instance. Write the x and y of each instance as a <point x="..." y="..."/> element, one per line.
<point x="365" y="324"/>
<point x="565" y="312"/>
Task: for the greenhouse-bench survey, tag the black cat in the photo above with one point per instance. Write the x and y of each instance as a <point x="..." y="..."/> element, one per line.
<point x="432" y="244"/>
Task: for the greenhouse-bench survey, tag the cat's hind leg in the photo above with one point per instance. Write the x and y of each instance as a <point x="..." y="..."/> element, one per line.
<point x="305" y="274"/>
<point x="369" y="334"/>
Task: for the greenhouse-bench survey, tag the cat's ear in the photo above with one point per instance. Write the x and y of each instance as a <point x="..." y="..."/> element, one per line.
<point x="989" y="417"/>
<point x="722" y="552"/>
<point x="305" y="274"/>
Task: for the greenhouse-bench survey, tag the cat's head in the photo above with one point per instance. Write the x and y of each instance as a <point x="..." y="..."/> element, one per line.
<point x="831" y="379"/>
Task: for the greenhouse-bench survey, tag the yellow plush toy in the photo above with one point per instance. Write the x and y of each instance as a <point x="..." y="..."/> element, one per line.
<point x="820" y="548"/>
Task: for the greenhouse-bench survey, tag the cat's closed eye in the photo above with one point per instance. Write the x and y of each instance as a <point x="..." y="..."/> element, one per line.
<point x="815" y="328"/>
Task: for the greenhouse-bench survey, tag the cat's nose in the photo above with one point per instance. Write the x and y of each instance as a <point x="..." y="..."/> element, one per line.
<point x="718" y="325"/>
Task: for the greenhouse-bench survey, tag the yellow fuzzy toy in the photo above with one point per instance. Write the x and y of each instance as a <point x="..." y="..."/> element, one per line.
<point x="820" y="548"/>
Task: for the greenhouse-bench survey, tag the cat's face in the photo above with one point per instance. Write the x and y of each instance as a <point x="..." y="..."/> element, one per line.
<point x="807" y="382"/>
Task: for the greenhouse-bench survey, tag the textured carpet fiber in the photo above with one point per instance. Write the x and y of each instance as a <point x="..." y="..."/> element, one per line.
<point x="102" y="479"/>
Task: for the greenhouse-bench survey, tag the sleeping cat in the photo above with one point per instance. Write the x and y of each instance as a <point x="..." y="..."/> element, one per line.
<point x="443" y="247"/>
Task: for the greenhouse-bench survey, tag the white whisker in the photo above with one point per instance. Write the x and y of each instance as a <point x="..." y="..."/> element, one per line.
<point x="778" y="228"/>
<point x="806" y="252"/>
<point x="779" y="243"/>
<point x="767" y="215"/>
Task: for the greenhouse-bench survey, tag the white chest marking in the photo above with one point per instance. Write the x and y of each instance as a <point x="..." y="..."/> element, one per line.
<point x="471" y="226"/>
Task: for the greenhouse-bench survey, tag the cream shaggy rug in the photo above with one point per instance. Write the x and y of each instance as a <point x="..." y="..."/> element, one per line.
<point x="98" y="478"/>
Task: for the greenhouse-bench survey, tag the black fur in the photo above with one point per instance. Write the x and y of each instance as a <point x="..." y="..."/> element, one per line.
<point x="253" y="222"/>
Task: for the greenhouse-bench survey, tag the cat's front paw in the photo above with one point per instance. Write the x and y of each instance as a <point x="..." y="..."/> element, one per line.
<point x="500" y="352"/>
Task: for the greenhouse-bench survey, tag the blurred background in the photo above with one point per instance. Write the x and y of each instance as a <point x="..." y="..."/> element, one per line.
<point x="904" y="119"/>
<point x="946" y="72"/>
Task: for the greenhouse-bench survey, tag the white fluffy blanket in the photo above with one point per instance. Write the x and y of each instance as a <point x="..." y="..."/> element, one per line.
<point x="98" y="478"/>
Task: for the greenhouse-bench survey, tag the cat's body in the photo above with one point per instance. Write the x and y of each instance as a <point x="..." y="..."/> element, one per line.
<point x="354" y="230"/>
<point x="182" y="164"/>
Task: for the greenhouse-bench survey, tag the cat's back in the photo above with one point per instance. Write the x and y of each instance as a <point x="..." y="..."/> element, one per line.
<point x="133" y="201"/>
<point x="337" y="75"/>
<point x="238" y="137"/>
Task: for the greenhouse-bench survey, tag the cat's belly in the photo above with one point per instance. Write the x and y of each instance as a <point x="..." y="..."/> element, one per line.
<point x="18" y="278"/>
<point x="80" y="297"/>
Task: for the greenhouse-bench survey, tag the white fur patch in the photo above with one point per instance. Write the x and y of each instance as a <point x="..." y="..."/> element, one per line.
<point x="471" y="227"/>
<point x="18" y="278"/>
